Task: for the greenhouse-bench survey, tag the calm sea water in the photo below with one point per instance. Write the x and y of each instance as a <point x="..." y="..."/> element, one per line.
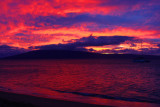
<point x="106" y="82"/>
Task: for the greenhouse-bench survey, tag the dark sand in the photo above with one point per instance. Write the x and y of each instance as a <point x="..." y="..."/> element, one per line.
<point x="18" y="100"/>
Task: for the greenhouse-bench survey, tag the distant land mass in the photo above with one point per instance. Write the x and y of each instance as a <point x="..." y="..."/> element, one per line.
<point x="67" y="54"/>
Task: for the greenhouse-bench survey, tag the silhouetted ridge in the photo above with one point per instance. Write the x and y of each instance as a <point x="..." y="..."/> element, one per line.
<point x="66" y="54"/>
<point x="55" y="54"/>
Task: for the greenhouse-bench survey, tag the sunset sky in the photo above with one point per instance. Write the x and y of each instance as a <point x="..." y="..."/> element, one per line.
<point x="104" y="26"/>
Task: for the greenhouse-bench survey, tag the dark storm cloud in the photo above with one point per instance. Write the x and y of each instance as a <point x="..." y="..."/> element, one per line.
<point x="101" y="40"/>
<point x="79" y="44"/>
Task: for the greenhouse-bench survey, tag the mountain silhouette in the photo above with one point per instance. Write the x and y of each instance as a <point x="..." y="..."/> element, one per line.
<point x="67" y="54"/>
<point x="55" y="54"/>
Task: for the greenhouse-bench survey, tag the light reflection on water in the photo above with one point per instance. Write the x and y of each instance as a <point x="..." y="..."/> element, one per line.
<point x="119" y="79"/>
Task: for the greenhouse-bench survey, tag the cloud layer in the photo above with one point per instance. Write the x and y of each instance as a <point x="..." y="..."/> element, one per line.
<point x="33" y="23"/>
<point x="80" y="44"/>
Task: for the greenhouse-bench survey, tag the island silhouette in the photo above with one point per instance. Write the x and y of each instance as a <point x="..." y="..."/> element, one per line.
<point x="68" y="54"/>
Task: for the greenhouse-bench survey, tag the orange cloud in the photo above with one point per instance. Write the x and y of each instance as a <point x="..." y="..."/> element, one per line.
<point x="84" y="32"/>
<point x="32" y="37"/>
<point x="127" y="45"/>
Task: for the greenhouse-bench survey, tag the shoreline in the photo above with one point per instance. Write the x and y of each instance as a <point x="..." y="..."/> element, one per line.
<point x="8" y="99"/>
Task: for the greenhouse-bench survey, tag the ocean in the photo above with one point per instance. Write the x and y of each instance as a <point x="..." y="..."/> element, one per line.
<point x="115" y="82"/>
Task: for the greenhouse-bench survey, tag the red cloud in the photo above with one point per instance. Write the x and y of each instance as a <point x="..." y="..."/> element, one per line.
<point x="23" y="36"/>
<point x="56" y="7"/>
<point x="15" y="14"/>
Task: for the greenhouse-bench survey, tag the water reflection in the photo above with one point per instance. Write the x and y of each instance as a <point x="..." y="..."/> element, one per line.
<point x="117" y="79"/>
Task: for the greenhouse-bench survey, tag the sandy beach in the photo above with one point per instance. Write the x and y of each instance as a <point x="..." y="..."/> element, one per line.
<point x="18" y="100"/>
